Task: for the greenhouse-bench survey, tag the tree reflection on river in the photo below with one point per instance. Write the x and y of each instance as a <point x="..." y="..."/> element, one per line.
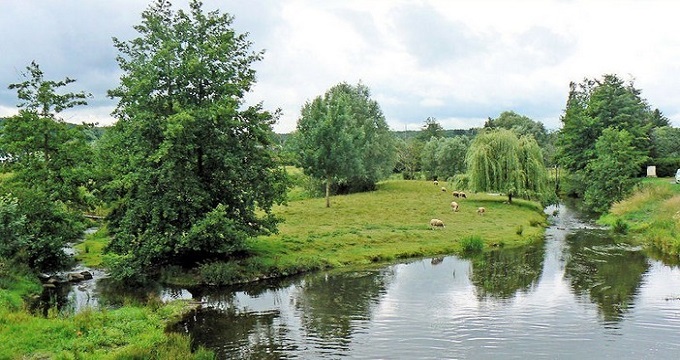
<point x="607" y="271"/>
<point x="502" y="273"/>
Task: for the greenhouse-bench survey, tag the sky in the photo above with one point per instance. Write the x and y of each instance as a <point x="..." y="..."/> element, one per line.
<point x="460" y="62"/>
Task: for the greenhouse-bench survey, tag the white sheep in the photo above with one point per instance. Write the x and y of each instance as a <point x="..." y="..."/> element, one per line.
<point x="454" y="206"/>
<point x="435" y="183"/>
<point x="436" y="223"/>
<point x="481" y="211"/>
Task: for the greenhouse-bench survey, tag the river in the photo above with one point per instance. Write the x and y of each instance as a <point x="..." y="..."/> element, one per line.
<point x="578" y="295"/>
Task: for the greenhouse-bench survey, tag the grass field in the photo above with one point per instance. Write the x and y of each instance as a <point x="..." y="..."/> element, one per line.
<point x="392" y="223"/>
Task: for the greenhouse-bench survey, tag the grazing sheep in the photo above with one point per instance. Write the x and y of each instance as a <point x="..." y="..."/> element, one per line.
<point x="435" y="183"/>
<point x="443" y="189"/>
<point x="454" y="206"/>
<point x="481" y="211"/>
<point x="462" y="194"/>
<point x="436" y="223"/>
<point x="455" y="194"/>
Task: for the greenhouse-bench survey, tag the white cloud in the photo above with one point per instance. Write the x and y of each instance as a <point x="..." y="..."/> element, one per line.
<point x="459" y="61"/>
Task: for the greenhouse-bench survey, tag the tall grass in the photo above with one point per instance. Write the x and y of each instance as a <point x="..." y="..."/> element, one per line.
<point x="125" y="333"/>
<point x="651" y="215"/>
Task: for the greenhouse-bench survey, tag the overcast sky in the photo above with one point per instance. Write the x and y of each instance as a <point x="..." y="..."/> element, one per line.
<point x="460" y="62"/>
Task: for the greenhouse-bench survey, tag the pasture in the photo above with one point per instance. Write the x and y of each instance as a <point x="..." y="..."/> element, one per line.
<point x="392" y="223"/>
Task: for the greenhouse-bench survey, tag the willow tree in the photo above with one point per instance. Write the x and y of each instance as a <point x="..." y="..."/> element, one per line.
<point x="500" y="161"/>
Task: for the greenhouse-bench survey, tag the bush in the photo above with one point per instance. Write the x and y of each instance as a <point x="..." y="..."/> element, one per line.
<point x="620" y="227"/>
<point x="472" y="244"/>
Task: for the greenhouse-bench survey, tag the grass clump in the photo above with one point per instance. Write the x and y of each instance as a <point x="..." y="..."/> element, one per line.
<point x="472" y="245"/>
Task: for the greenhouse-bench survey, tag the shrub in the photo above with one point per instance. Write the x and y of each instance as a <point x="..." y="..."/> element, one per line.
<point x="472" y="244"/>
<point x="620" y="227"/>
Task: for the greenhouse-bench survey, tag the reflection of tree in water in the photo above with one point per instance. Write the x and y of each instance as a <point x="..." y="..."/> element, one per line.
<point x="501" y="273"/>
<point x="609" y="273"/>
<point x="331" y="304"/>
<point x="236" y="335"/>
<point x="233" y="332"/>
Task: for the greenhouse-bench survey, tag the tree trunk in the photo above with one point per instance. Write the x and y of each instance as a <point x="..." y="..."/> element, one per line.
<point x="328" y="192"/>
<point x="509" y="198"/>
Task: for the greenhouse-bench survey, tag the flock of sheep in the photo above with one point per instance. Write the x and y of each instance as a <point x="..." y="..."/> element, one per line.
<point x="437" y="223"/>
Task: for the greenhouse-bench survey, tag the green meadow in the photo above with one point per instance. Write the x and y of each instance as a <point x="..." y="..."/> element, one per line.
<point x="388" y="224"/>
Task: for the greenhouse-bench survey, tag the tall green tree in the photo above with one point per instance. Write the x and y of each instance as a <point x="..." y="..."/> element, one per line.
<point x="613" y="172"/>
<point x="442" y="158"/>
<point x="593" y="106"/>
<point x="342" y="138"/>
<point x="50" y="186"/>
<point x="500" y="161"/>
<point x="520" y="124"/>
<point x="408" y="157"/>
<point x="195" y="173"/>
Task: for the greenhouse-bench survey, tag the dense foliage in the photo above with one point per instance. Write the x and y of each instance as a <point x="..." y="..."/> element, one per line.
<point x="442" y="158"/>
<point x="500" y="161"/>
<point x="50" y="184"/>
<point x="342" y="138"/>
<point x="594" y="106"/>
<point x="194" y="172"/>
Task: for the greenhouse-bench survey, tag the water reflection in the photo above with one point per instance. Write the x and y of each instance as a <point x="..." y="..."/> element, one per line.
<point x="502" y="273"/>
<point x="332" y="306"/>
<point x="607" y="271"/>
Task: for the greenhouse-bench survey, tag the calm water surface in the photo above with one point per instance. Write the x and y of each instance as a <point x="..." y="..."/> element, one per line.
<point x="579" y="295"/>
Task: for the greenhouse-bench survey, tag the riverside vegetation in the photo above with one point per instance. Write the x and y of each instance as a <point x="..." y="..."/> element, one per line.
<point x="388" y="224"/>
<point x="650" y="216"/>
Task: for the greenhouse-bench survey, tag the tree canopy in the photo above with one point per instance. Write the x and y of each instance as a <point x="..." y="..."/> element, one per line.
<point x="50" y="163"/>
<point x="194" y="172"/>
<point x="342" y="138"/>
<point x="593" y="107"/>
<point x="500" y="161"/>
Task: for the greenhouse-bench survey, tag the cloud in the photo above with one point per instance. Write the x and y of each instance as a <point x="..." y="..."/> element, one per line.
<point x="458" y="61"/>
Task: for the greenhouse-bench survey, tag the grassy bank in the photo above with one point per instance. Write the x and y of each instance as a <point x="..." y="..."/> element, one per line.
<point x="651" y="215"/>
<point x="384" y="225"/>
<point x="134" y="331"/>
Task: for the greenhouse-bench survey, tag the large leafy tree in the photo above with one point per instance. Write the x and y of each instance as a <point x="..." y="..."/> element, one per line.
<point x="593" y="106"/>
<point x="343" y="138"/>
<point x="442" y="158"/>
<point x="194" y="168"/>
<point x="50" y="186"/>
<point x="500" y="161"/>
<point x="431" y="128"/>
<point x="612" y="174"/>
<point x="520" y="124"/>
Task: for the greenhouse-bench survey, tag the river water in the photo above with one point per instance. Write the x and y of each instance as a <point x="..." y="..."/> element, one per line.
<point x="578" y="295"/>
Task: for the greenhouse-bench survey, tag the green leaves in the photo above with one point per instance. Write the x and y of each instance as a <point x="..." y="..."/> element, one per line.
<point x="343" y="138"/>
<point x="196" y="174"/>
<point x="601" y="116"/>
<point x="500" y="161"/>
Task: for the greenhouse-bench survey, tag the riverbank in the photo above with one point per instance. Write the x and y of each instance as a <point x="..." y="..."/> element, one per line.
<point x="651" y="216"/>
<point x="132" y="331"/>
